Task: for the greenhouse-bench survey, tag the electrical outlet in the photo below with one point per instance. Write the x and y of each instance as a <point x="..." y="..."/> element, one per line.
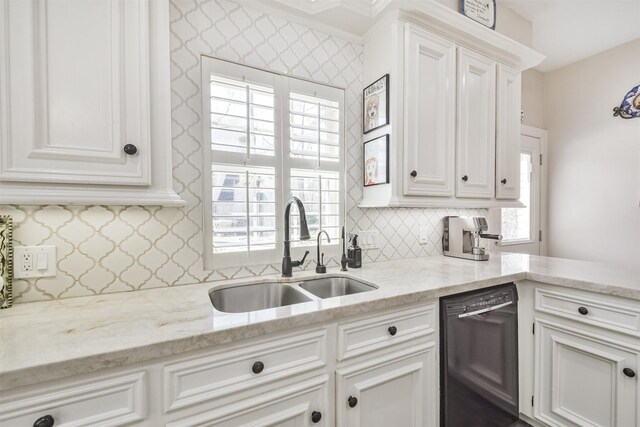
<point x="34" y="261"/>
<point x="26" y="262"/>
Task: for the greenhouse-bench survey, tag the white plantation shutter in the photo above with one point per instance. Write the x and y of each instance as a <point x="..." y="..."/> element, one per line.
<point x="271" y="137"/>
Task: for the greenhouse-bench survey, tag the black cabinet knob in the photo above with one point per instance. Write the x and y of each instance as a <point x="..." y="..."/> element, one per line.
<point x="414" y="173"/>
<point x="316" y="417"/>
<point x="504" y="180"/>
<point x="392" y="330"/>
<point x="353" y="401"/>
<point x="257" y="367"/>
<point x="465" y="178"/>
<point x="130" y="149"/>
<point x="46" y="421"/>
<point x="583" y="311"/>
<point x="629" y="372"/>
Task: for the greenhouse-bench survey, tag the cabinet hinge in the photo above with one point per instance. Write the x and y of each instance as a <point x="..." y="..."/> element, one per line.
<point x="533" y="329"/>
<point x="531" y="400"/>
<point x="540" y="235"/>
<point x="540" y="159"/>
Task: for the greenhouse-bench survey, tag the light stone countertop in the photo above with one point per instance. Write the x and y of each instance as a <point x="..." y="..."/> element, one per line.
<point x="43" y="341"/>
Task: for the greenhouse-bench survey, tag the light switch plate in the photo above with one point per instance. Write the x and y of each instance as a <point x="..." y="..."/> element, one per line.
<point x="368" y="239"/>
<point x="34" y="261"/>
<point x="424" y="235"/>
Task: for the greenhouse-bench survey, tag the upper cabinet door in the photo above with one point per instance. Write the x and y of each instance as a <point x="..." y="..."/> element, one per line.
<point x="508" y="134"/>
<point x="74" y="80"/>
<point x="476" y="125"/>
<point x="429" y="119"/>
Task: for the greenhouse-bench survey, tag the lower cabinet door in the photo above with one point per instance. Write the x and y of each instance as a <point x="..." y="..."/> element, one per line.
<point x="583" y="380"/>
<point x="395" y="390"/>
<point x="305" y="403"/>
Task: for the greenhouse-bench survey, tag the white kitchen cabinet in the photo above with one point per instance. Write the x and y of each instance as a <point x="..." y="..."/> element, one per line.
<point x="508" y="133"/>
<point x="584" y="379"/>
<point x="84" y="102"/>
<point x="429" y="122"/>
<point x="397" y="389"/>
<point x="302" y="404"/>
<point x="453" y="95"/>
<point x="476" y="125"/>
<point x="105" y="400"/>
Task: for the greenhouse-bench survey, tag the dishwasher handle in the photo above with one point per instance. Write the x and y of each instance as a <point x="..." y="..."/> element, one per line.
<point x="484" y="310"/>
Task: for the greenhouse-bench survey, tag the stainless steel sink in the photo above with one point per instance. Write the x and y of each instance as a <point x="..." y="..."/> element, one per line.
<point x="329" y="287"/>
<point x="258" y="296"/>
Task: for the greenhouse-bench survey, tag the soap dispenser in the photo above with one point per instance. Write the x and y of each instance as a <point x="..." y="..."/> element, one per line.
<point x="354" y="252"/>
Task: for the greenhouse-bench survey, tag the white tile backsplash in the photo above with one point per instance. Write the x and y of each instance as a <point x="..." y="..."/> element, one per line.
<point x="103" y="249"/>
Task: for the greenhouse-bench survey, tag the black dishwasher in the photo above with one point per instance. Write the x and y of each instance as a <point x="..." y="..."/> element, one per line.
<point x="479" y="358"/>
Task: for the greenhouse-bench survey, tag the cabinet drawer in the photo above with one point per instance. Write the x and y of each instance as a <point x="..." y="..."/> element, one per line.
<point x="598" y="310"/>
<point x="376" y="332"/>
<point x="104" y="401"/>
<point x="293" y="405"/>
<point x="223" y="372"/>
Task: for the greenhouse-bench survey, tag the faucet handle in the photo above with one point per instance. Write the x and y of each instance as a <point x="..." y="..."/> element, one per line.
<point x="299" y="263"/>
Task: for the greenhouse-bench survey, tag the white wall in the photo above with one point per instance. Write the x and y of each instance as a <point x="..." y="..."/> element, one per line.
<point x="594" y="159"/>
<point x="533" y="98"/>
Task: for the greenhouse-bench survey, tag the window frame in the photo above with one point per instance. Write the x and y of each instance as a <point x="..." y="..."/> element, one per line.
<point x="283" y="85"/>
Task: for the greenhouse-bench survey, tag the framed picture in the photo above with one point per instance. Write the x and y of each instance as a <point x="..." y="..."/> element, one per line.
<point x="482" y="11"/>
<point x="376" y="161"/>
<point x="375" y="105"/>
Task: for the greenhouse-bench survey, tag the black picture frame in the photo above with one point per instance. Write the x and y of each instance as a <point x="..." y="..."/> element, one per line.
<point x="366" y="161"/>
<point x="464" y="10"/>
<point x="365" y="95"/>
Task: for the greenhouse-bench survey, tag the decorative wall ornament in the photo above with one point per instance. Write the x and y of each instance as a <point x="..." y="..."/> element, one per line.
<point x="376" y="161"/>
<point x="481" y="11"/>
<point x="630" y="106"/>
<point x="6" y="260"/>
<point x="375" y="103"/>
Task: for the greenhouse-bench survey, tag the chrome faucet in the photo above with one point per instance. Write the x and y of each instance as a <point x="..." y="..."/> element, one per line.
<point x="320" y="267"/>
<point x="287" y="264"/>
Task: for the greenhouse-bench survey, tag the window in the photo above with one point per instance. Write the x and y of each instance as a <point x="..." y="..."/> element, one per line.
<point x="272" y="137"/>
<point x="517" y="223"/>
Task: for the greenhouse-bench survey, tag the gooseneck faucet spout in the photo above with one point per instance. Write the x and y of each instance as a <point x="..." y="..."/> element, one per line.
<point x="287" y="264"/>
<point x="320" y="267"/>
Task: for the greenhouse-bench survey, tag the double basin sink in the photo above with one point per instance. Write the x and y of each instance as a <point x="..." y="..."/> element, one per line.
<point x="263" y="295"/>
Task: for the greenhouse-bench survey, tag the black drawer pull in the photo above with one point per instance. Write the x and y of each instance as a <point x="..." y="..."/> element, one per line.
<point x="465" y="178"/>
<point x="130" y="149"/>
<point x="583" y="311"/>
<point x="629" y="372"/>
<point x="504" y="180"/>
<point x="257" y="367"/>
<point x="316" y="417"/>
<point x="46" y="421"/>
<point x="392" y="330"/>
<point x="414" y="173"/>
<point x="353" y="401"/>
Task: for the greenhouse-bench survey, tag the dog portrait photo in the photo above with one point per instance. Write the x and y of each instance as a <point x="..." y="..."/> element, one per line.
<point x="376" y="161"/>
<point x="375" y="103"/>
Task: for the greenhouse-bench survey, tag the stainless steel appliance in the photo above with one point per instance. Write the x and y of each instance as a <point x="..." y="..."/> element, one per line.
<point x="479" y="358"/>
<point x="461" y="238"/>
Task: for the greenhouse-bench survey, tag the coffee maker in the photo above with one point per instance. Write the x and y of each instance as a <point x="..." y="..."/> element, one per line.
<point x="462" y="236"/>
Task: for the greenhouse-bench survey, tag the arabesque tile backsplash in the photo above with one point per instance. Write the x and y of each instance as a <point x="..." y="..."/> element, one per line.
<point x="103" y="249"/>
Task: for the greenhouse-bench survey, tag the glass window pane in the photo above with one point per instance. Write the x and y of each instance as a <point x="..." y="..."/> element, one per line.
<point x="242" y="117"/>
<point x="321" y="202"/>
<point x="243" y="208"/>
<point x="314" y="128"/>
<point x="516" y="222"/>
